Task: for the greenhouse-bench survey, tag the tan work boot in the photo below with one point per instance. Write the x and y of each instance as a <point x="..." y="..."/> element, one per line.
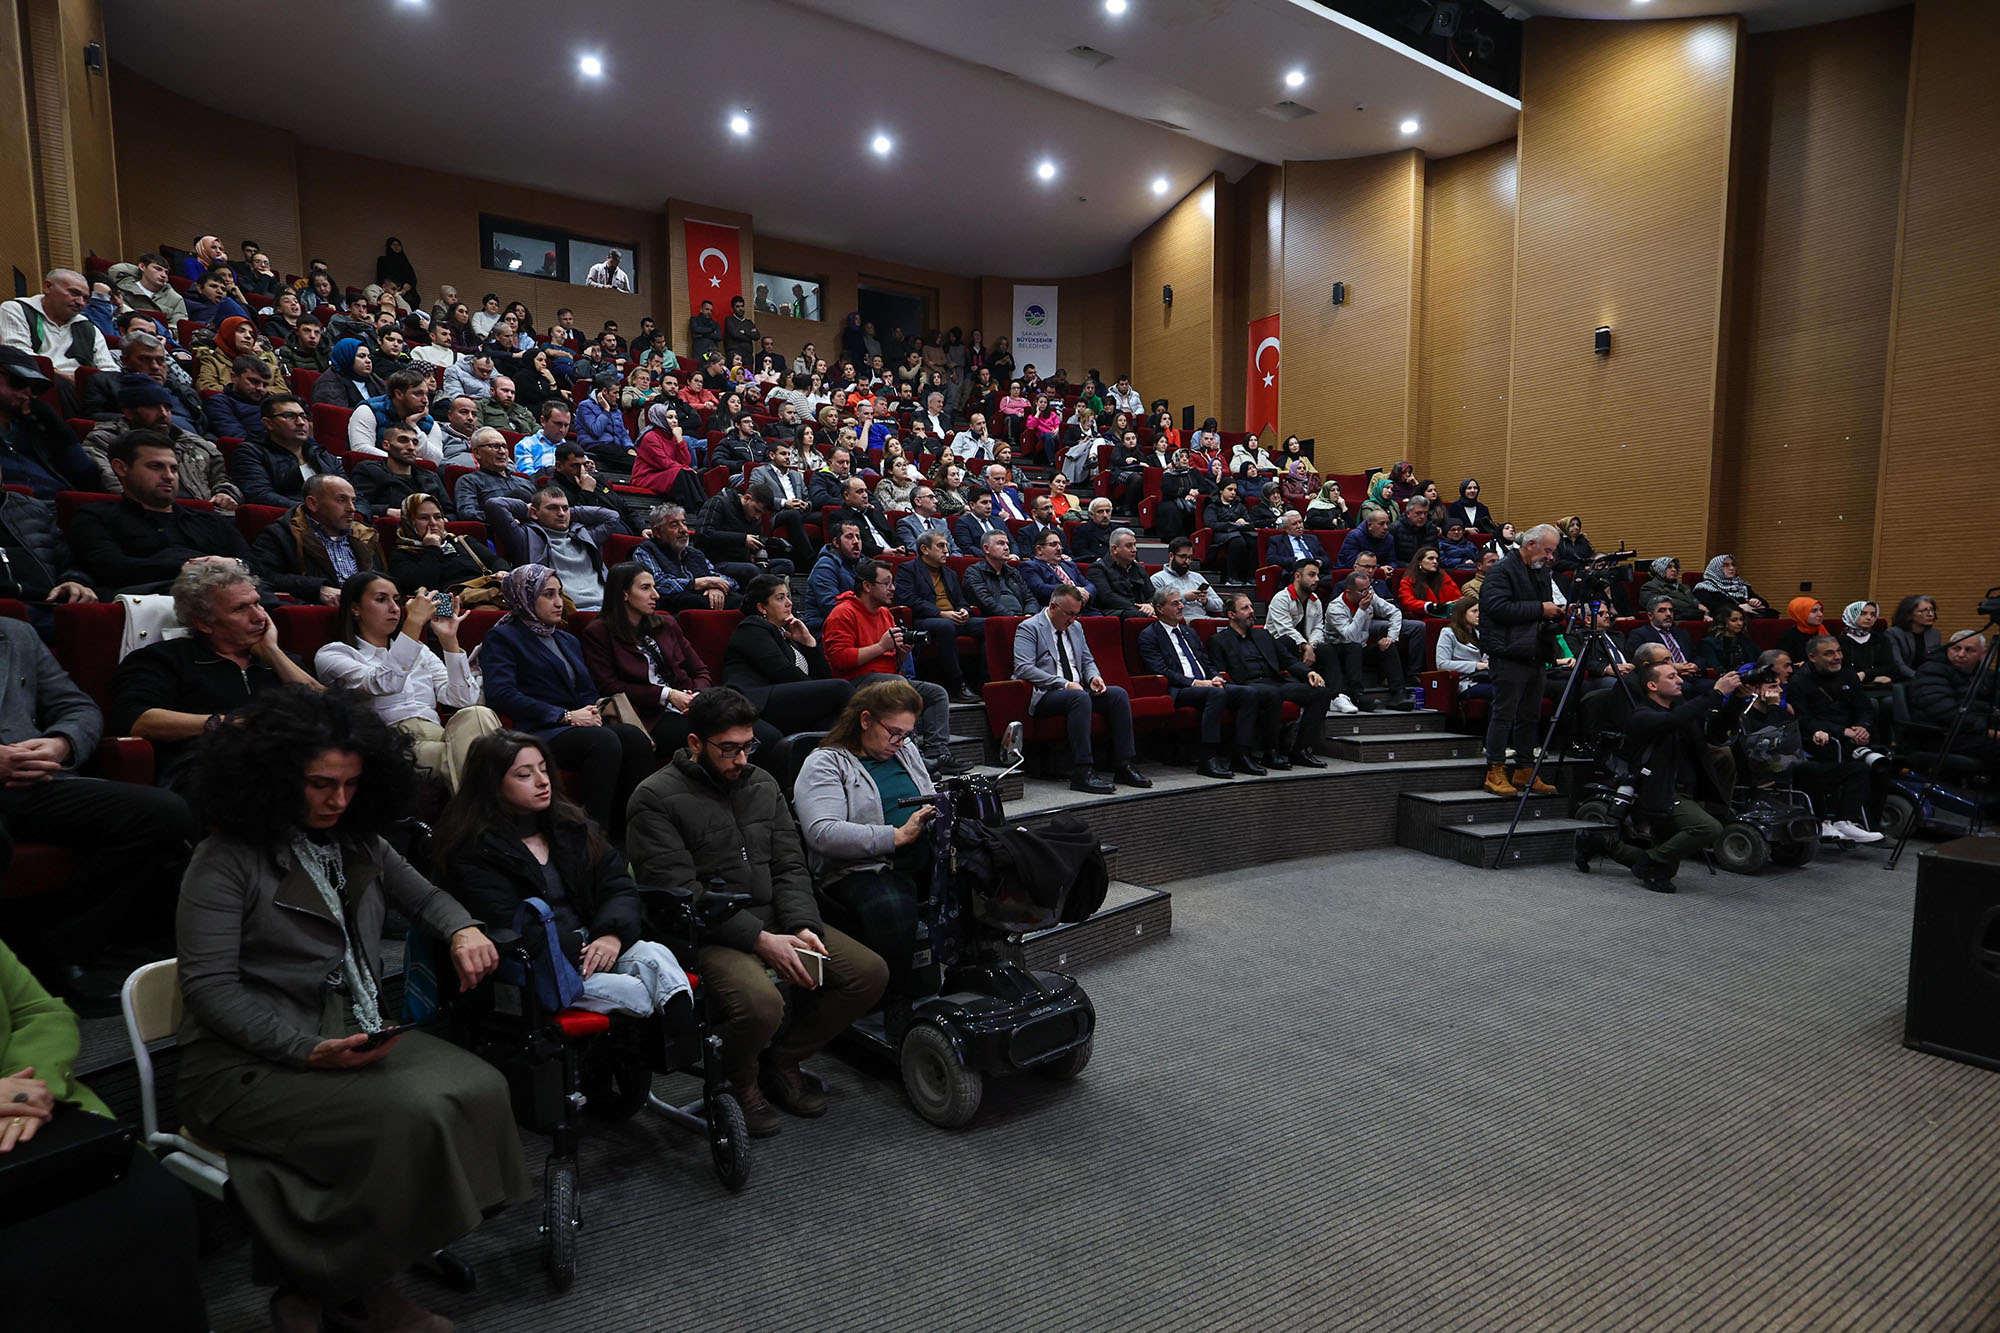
<point x="1496" y="781"/>
<point x="1540" y="788"/>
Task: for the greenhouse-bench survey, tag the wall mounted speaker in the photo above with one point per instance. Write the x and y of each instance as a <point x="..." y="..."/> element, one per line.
<point x="1340" y="293"/>
<point x="1166" y="296"/>
<point x="1602" y="342"/>
<point x="1187" y="417"/>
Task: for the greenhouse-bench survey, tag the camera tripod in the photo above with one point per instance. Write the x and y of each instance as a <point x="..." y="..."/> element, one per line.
<point x="1987" y="666"/>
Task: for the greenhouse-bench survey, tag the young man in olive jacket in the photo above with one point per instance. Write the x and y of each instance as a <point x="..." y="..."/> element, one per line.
<point x="710" y="814"/>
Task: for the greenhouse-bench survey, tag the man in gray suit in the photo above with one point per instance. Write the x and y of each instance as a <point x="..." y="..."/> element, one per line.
<point x="911" y="527"/>
<point x="132" y="841"/>
<point x="1053" y="656"/>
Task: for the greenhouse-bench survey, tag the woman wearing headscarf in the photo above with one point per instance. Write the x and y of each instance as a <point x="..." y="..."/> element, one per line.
<point x="663" y="463"/>
<point x="392" y="265"/>
<point x="1721" y="588"/>
<point x="537" y="677"/>
<point x="1808" y="623"/>
<point x="1381" y="496"/>
<point x="234" y="337"/>
<point x="353" y="380"/>
<point x="1865" y="649"/>
<point x="1476" y="516"/>
<point x="1402" y="481"/>
<point x="1913" y="633"/>
<point x="427" y="554"/>
<point x="1328" y="509"/>
<point x="1666" y="582"/>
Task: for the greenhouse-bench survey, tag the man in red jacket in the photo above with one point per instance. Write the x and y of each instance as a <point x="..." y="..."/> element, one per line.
<point x="861" y="637"/>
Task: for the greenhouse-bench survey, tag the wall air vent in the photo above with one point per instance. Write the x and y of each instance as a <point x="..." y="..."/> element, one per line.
<point x="1091" y="56"/>
<point x="1167" y="125"/>
<point x="1287" y="110"/>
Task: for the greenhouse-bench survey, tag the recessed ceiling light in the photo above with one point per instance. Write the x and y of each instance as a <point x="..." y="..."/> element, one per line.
<point x="1408" y="127"/>
<point x="1295" y="79"/>
<point x="1159" y="185"/>
<point x="882" y="144"/>
<point x="1114" y="6"/>
<point x="739" y="124"/>
<point x="591" y="66"/>
<point x="1047" y="171"/>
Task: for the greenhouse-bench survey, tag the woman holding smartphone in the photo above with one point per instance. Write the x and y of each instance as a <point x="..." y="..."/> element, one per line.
<point x="381" y="653"/>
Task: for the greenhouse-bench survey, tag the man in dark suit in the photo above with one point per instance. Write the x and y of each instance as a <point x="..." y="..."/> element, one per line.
<point x="1051" y="569"/>
<point x="1007" y="501"/>
<point x="1043" y="520"/>
<point x="141" y="542"/>
<point x="1167" y="647"/>
<point x="1248" y="655"/>
<point x="1092" y="538"/>
<point x="877" y="534"/>
<point x="968" y="530"/>
<point x="828" y="486"/>
<point x="1293" y="545"/>
<point x="940" y="607"/>
<point x="924" y="518"/>
<point x="1660" y="628"/>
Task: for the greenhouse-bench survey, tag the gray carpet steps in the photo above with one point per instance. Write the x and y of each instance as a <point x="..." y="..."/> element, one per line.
<point x="1470" y="827"/>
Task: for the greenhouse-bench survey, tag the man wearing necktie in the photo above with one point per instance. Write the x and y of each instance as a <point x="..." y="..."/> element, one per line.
<point x="1292" y="547"/>
<point x="1167" y="647"/>
<point x="1052" y="655"/>
<point x="1660" y="629"/>
<point x="1006" y="500"/>
<point x="923" y="519"/>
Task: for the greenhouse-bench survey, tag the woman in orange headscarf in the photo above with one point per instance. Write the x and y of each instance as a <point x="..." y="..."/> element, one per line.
<point x="1807" y="624"/>
<point x="234" y="337"/>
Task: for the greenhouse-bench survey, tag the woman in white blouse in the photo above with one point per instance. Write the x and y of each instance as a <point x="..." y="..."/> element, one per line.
<point x="380" y="652"/>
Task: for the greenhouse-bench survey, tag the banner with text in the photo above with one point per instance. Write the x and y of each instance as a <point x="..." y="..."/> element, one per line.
<point x="1260" y="388"/>
<point x="1035" y="329"/>
<point x="713" y="268"/>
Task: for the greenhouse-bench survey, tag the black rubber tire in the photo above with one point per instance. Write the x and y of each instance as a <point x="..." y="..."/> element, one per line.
<point x="1071" y="1064"/>
<point x="729" y="1141"/>
<point x="1741" y="850"/>
<point x="1595" y="812"/>
<point x="1796" y="853"/>
<point x="940" y="1088"/>
<point x="617" y="1091"/>
<point x="1898" y="811"/>
<point x="561" y="1216"/>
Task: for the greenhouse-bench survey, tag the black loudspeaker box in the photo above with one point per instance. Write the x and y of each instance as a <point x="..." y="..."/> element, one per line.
<point x="1187" y="417"/>
<point x="1954" y="990"/>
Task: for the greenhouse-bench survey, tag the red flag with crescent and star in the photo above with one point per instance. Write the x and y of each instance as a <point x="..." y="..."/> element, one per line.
<point x="1260" y="390"/>
<point x="713" y="271"/>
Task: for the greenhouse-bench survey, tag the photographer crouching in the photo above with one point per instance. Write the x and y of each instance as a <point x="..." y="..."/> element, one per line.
<point x="1517" y="615"/>
<point x="1668" y="742"/>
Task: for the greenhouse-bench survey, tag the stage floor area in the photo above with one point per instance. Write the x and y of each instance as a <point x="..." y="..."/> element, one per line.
<point x="1368" y="1091"/>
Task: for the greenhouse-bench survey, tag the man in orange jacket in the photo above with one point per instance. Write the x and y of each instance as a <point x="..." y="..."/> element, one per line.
<point x="861" y="637"/>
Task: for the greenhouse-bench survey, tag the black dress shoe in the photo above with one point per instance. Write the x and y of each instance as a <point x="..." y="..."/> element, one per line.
<point x="1131" y="777"/>
<point x="1273" y="759"/>
<point x="1587" y="846"/>
<point x="1092" y="781"/>
<point x="1213" y="767"/>
<point x="961" y="694"/>
<point x="1307" y="759"/>
<point x="1653" y="877"/>
<point x="1400" y="702"/>
<point x="1244" y="764"/>
<point x="1361" y="701"/>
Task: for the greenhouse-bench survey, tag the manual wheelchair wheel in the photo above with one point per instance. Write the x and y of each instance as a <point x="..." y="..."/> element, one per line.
<point x="938" y="1084"/>
<point x="562" y="1215"/>
<point x="729" y="1140"/>
<point x="617" y="1089"/>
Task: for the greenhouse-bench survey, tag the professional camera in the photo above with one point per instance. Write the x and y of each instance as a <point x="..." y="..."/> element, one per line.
<point x="916" y="638"/>
<point x="1990" y="606"/>
<point x="1756" y="676"/>
<point x="1597" y="576"/>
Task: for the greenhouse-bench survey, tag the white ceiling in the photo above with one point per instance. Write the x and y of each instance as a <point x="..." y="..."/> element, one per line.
<point x="1758" y="15"/>
<point x="974" y="96"/>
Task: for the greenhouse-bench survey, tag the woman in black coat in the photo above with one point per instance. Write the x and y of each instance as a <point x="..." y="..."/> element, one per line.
<point x="777" y="664"/>
<point x="429" y="555"/>
<point x="1181" y="486"/>
<point x="509" y="835"/>
<point x="1234" y="523"/>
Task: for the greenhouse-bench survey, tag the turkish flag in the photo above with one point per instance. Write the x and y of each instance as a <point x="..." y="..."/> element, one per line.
<point x="712" y="266"/>
<point x="1260" y="388"/>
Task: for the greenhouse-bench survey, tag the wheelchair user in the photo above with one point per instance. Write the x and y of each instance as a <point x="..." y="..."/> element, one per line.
<point x="509" y="835"/>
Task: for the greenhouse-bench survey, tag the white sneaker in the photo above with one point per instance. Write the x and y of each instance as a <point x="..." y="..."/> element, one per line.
<point x="1855" y="833"/>
<point x="1830" y="831"/>
<point x="1342" y="704"/>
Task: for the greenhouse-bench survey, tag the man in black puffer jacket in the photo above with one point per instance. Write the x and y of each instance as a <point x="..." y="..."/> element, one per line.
<point x="1942" y="685"/>
<point x="709" y="815"/>
<point x="34" y="559"/>
<point x="1517" y="609"/>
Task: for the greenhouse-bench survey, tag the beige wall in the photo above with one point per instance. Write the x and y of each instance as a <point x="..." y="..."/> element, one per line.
<point x="952" y="300"/>
<point x="20" y="237"/>
<point x="1174" y="347"/>
<point x="1254" y="268"/>
<point x="1624" y="206"/>
<point x="1940" y="440"/>
<point x="1350" y="371"/>
<point x="1468" y="321"/>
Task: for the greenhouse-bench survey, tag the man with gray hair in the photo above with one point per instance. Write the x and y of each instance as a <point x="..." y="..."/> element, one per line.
<point x="1517" y="615"/>
<point x="54" y="325"/>
<point x="1121" y="585"/>
<point x="495" y="479"/>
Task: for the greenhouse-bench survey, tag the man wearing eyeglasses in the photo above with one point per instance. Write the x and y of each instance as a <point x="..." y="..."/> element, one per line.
<point x="861" y="637"/>
<point x="710" y="815"/>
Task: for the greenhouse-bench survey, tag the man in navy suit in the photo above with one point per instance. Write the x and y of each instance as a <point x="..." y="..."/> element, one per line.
<point x="1167" y="647"/>
<point x="1007" y="501"/>
<point x="1044" y="520"/>
<point x="940" y="608"/>
<point x="1051" y="569"/>
<point x="1293" y="546"/>
<point x="1660" y="629"/>
<point x="968" y="530"/>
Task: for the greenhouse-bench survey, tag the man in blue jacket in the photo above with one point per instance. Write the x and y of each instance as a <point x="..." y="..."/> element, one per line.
<point x="1373" y="538"/>
<point x="238" y="410"/>
<point x="1051" y="569"/>
<point x="833" y="573"/>
<point x="600" y="424"/>
<point x="940" y="608"/>
<point x="406" y="401"/>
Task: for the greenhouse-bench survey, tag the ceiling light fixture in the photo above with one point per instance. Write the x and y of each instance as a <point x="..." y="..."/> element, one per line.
<point x="1114" y="7"/>
<point x="882" y="144"/>
<point x="1295" y="79"/>
<point x="739" y="123"/>
<point x="1047" y="171"/>
<point x="1409" y="126"/>
<point x="1159" y="185"/>
<point x="591" y="66"/>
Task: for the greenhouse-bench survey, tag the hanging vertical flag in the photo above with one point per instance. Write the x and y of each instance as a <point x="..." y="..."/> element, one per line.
<point x="1260" y="389"/>
<point x="712" y="266"/>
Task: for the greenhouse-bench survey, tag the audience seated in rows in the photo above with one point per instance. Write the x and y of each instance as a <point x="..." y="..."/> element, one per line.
<point x="862" y="638"/>
<point x="1052" y="654"/>
<point x="318" y="545"/>
<point x="143" y="541"/>
<point x="940" y="609"/>
<point x="143" y="403"/>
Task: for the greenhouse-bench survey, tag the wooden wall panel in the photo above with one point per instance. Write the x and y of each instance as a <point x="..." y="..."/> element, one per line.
<point x="1624" y="209"/>
<point x="1468" y="321"/>
<point x="1819" y="169"/>
<point x="92" y="151"/>
<point x="1941" y="410"/>
<point x="1255" y="262"/>
<point x="164" y="197"/>
<point x="842" y="273"/>
<point x="1173" y="347"/>
<point x="1350" y="371"/>
<point x="20" y="238"/>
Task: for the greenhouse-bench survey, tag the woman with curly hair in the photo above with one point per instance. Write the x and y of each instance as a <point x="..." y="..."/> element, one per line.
<point x="352" y="1157"/>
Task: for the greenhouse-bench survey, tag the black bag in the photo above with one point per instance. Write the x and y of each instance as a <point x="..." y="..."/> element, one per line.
<point x="1020" y="879"/>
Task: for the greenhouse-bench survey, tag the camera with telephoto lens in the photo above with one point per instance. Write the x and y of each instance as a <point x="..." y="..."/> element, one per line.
<point x="1755" y="676"/>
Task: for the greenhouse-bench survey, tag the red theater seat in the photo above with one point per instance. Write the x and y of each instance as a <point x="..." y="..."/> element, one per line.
<point x="708" y="633"/>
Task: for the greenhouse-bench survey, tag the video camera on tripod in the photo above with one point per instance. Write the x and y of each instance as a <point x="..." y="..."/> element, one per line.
<point x="1594" y="578"/>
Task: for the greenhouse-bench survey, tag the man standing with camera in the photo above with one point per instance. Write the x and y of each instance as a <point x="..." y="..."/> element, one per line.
<point x="1667" y="742"/>
<point x="1517" y="614"/>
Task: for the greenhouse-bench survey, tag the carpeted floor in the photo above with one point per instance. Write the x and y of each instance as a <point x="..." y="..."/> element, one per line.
<point x="1360" y="1092"/>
